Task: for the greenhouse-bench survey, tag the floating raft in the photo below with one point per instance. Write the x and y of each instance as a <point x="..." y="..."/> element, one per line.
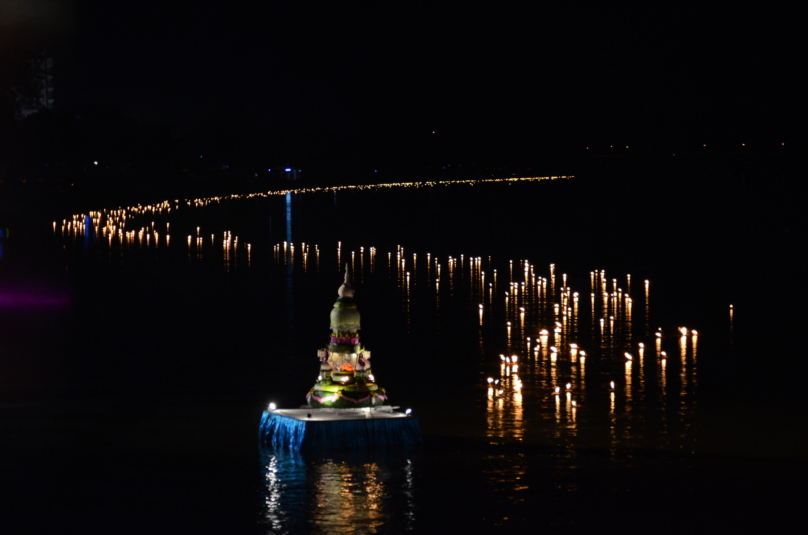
<point x="309" y="429"/>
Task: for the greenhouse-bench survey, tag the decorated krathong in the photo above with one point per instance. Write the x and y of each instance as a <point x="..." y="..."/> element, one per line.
<point x="345" y="379"/>
<point x="345" y="408"/>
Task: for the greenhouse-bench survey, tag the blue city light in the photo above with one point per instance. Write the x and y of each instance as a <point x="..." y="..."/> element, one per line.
<point x="288" y="168"/>
<point x="269" y="170"/>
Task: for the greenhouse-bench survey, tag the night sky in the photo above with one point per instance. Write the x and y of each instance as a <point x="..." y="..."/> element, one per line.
<point x="475" y="73"/>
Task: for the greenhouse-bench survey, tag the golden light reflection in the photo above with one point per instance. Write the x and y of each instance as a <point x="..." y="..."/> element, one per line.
<point x="582" y="369"/>
<point x="731" y="317"/>
<point x="557" y="407"/>
<point x="683" y="364"/>
<point x="628" y="380"/>
<point x="347" y="495"/>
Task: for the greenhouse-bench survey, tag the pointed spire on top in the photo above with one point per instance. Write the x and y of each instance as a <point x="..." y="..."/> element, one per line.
<point x="346" y="290"/>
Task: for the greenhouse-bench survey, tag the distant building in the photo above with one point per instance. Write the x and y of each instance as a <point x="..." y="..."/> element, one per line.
<point x="37" y="93"/>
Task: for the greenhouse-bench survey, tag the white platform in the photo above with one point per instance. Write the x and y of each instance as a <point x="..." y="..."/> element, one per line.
<point x="330" y="415"/>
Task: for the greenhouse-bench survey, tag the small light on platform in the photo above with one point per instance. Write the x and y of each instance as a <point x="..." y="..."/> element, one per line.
<point x="272" y="406"/>
<point x="569" y="386"/>
<point x="557" y="390"/>
<point x="408" y="412"/>
<point x="490" y="380"/>
<point x="611" y="385"/>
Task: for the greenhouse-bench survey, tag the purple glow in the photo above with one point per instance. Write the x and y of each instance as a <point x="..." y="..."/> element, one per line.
<point x="32" y="299"/>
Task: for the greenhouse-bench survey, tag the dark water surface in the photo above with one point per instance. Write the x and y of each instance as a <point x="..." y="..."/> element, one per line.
<point x="133" y="375"/>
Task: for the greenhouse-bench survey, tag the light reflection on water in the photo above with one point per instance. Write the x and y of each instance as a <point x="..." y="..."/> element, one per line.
<point x="568" y="351"/>
<point x="342" y="492"/>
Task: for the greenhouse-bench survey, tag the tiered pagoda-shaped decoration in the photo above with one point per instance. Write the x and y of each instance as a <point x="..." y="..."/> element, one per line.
<point x="346" y="380"/>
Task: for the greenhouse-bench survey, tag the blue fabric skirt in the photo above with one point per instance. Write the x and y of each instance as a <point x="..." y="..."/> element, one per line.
<point x="280" y="431"/>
